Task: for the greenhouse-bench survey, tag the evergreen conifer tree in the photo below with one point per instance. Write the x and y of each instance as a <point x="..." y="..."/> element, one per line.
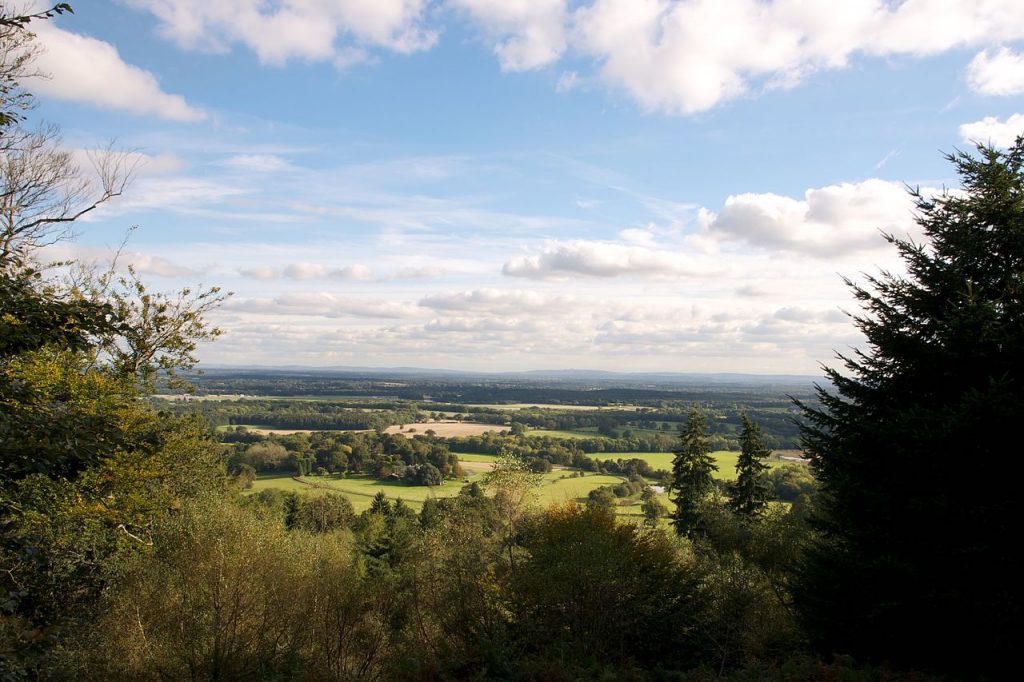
<point x="380" y="504"/>
<point x="691" y="476"/>
<point x="916" y="448"/>
<point x="751" y="492"/>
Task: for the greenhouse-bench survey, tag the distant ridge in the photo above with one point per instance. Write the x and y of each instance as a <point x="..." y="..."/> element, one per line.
<point x="554" y="375"/>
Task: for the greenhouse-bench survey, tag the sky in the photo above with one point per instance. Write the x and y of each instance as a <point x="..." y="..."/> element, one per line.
<point x="625" y="185"/>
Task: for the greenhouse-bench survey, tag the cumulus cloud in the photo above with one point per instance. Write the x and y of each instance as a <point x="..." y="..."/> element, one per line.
<point x="992" y="130"/>
<point x="526" y="35"/>
<point x="337" y="32"/>
<point x="686" y="56"/>
<point x="355" y="271"/>
<point x="998" y="72"/>
<point x="323" y="304"/>
<point x="674" y="56"/>
<point x="597" y="259"/>
<point x="84" y="69"/>
<point x="104" y="258"/>
<point x="807" y="316"/>
<point x="145" y="264"/>
<point x="485" y="328"/>
<point x="305" y="271"/>
<point x="828" y="221"/>
<point x="425" y="272"/>
<point x="263" y="272"/>
<point x="498" y="301"/>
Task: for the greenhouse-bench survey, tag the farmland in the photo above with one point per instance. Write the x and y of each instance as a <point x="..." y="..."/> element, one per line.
<point x="359" y="445"/>
<point x="554" y="487"/>
<point x="445" y="429"/>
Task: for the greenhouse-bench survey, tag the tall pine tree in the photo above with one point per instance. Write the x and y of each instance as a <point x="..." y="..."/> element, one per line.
<point x="916" y="443"/>
<point x="751" y="492"/>
<point x="691" y="476"/>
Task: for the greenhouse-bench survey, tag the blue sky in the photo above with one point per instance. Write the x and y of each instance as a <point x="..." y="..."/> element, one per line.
<point x="494" y="185"/>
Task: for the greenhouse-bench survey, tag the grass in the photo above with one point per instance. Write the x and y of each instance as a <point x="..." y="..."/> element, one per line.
<point x="557" y="486"/>
<point x="360" y="489"/>
<point x="725" y="459"/>
<point x="475" y="457"/>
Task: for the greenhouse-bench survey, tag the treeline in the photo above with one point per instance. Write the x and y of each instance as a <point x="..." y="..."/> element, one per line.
<point x="645" y="429"/>
<point x="298" y="414"/>
<point x="559" y="448"/>
<point x="414" y="460"/>
<point x="779" y="419"/>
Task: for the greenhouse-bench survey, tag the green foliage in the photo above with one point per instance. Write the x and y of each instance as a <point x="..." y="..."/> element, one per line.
<point x="590" y="586"/>
<point x="380" y="504"/>
<point x="35" y="314"/>
<point x="751" y="492"/>
<point x="790" y="482"/>
<point x="324" y="513"/>
<point x="692" y="479"/>
<point x="221" y="595"/>
<point x="917" y="561"/>
<point x="601" y="498"/>
<point x="159" y="332"/>
<point x="652" y="508"/>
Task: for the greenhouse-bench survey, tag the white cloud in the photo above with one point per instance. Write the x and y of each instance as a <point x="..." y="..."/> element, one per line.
<point x="568" y="80"/>
<point x="323" y="304"/>
<point x="1001" y="73"/>
<point x="84" y="69"/>
<point x="499" y="302"/>
<point x="686" y="56"/>
<point x="260" y="163"/>
<point x="527" y="33"/>
<point x="356" y="271"/>
<point x="597" y="259"/>
<point x="145" y="264"/>
<point x="425" y="272"/>
<point x="674" y="56"/>
<point x="334" y="32"/>
<point x="102" y="258"/>
<point x="991" y="130"/>
<point x="263" y="272"/>
<point x="828" y="221"/>
<point x="183" y="194"/>
<point x="305" y="271"/>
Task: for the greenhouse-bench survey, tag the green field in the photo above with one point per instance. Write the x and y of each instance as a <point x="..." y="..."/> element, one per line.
<point x="361" y="489"/>
<point x="557" y="486"/>
<point x="725" y="459"/>
<point x="475" y="457"/>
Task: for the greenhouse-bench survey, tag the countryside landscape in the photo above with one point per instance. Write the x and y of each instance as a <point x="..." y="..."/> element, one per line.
<point x="517" y="341"/>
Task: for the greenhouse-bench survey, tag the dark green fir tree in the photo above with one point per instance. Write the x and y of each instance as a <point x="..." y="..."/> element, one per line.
<point x="692" y="480"/>
<point x="916" y="443"/>
<point x="750" y="494"/>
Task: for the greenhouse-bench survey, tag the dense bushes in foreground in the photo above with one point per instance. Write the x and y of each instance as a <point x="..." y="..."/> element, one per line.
<point x="230" y="593"/>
